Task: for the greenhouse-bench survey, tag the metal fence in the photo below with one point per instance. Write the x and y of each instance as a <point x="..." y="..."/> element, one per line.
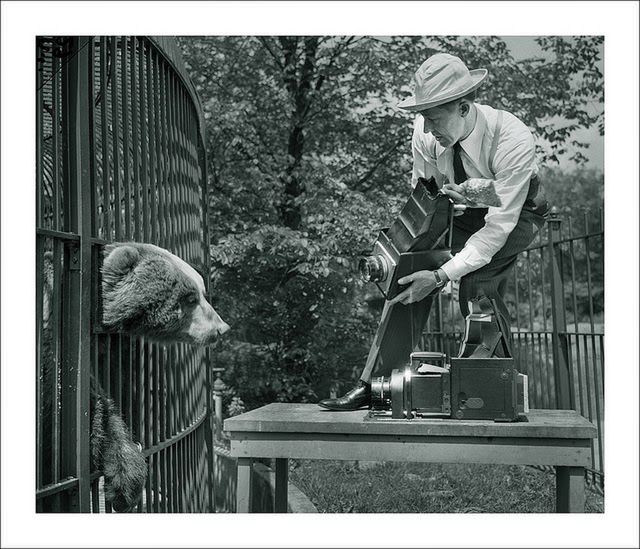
<point x="120" y="156"/>
<point x="556" y="300"/>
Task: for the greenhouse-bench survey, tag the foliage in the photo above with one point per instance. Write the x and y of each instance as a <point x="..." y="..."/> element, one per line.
<point x="308" y="157"/>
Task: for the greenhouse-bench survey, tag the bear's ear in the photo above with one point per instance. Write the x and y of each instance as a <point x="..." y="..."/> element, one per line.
<point x="119" y="260"/>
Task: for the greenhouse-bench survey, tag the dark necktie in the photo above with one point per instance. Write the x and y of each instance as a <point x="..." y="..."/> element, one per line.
<point x="458" y="169"/>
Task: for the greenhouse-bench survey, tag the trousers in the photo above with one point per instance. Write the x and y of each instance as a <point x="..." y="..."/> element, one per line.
<point x="491" y="280"/>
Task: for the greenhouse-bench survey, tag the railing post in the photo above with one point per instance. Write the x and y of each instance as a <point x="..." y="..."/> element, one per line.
<point x="218" y="388"/>
<point x="564" y="394"/>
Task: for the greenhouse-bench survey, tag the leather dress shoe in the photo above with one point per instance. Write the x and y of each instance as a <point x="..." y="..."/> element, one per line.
<point x="356" y="398"/>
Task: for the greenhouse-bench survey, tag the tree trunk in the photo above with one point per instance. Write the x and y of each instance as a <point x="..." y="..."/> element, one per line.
<point x="299" y="93"/>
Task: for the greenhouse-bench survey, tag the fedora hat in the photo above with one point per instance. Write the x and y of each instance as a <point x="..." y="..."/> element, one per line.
<point x="440" y="79"/>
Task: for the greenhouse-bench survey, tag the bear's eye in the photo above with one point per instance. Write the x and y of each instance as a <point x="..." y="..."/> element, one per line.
<point x="192" y="299"/>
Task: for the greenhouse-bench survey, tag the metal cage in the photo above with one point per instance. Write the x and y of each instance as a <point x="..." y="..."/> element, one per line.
<point x="120" y="156"/>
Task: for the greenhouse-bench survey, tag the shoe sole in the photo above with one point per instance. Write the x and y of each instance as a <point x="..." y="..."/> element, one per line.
<point x="342" y="409"/>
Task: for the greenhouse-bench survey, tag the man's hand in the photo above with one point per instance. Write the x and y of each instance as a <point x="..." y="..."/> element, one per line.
<point x="422" y="284"/>
<point x="457" y="194"/>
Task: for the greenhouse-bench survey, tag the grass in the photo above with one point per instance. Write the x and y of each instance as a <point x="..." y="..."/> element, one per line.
<point x="372" y="487"/>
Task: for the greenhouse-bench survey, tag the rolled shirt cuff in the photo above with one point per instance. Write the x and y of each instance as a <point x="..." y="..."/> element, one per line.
<point x="457" y="267"/>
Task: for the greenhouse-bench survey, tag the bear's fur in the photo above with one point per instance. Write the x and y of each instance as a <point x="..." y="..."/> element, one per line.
<point x="150" y="292"/>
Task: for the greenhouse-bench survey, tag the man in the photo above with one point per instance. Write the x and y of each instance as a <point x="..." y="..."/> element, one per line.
<point x="462" y="143"/>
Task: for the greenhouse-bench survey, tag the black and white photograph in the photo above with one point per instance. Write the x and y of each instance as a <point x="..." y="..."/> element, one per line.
<point x="289" y="273"/>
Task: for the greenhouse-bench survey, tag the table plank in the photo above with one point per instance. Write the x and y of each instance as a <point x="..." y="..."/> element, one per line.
<point x="417" y="449"/>
<point x="310" y="418"/>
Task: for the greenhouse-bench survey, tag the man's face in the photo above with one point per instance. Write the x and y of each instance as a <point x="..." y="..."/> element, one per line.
<point x="445" y="122"/>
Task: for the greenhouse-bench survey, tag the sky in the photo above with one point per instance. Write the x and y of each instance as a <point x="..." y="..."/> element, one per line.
<point x="525" y="46"/>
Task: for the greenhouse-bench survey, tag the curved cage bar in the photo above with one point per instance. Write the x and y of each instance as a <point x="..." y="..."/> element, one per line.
<point x="120" y="157"/>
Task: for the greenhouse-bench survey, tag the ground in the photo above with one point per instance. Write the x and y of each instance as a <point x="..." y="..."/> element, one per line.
<point x="370" y="487"/>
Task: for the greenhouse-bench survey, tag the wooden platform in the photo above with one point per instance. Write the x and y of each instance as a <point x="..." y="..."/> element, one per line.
<point x="305" y="431"/>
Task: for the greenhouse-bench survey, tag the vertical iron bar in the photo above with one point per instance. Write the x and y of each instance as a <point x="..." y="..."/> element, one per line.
<point x="157" y="398"/>
<point x="118" y="376"/>
<point x="587" y="240"/>
<point x="177" y="479"/>
<point x="149" y="486"/>
<point x="41" y="362"/>
<point x="580" y="396"/>
<point x="172" y="161"/>
<point x="564" y="395"/>
<point x="135" y="140"/>
<point x="530" y="289"/>
<point x="55" y="145"/>
<point x="169" y="399"/>
<point x="141" y="404"/>
<point x="590" y="390"/>
<point x="56" y="338"/>
<point x="600" y="390"/>
<point x="124" y="81"/>
<point x="115" y="137"/>
<point x="93" y="174"/>
<point x="596" y="394"/>
<point x="106" y="191"/>
<point x="153" y="182"/>
<point x="40" y="64"/>
<point x="163" y="481"/>
<point x="148" y="415"/>
<point x="182" y="147"/>
<point x="517" y="295"/>
<point x="106" y="375"/>
<point x="144" y="132"/>
<point x="129" y="380"/>
<point x="157" y="105"/>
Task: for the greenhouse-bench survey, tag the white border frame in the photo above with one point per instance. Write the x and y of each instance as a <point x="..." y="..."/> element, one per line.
<point x="22" y="21"/>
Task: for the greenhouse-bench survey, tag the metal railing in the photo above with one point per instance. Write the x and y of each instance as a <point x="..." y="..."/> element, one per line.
<point x="556" y="300"/>
<point x="120" y="156"/>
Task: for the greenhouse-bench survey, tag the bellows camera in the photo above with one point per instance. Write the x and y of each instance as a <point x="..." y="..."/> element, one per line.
<point x="414" y="242"/>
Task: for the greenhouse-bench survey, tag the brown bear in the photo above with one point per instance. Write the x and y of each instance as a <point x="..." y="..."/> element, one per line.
<point x="145" y="291"/>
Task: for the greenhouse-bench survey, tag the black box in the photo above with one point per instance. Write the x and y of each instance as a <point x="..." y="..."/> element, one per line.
<point x="484" y="388"/>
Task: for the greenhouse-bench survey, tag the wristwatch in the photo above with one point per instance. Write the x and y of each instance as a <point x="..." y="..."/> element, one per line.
<point x="439" y="282"/>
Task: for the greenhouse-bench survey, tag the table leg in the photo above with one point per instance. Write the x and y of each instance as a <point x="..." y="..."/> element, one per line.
<point x="570" y="496"/>
<point x="244" y="486"/>
<point x="282" y="482"/>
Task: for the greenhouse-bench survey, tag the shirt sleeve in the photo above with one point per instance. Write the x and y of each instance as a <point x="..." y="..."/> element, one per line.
<point x="514" y="164"/>
<point x="423" y="149"/>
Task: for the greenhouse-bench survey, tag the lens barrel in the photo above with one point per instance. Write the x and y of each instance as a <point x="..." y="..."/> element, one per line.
<point x="373" y="268"/>
<point x="380" y="392"/>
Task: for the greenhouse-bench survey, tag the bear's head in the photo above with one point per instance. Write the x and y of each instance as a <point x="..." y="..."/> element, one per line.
<point x="148" y="291"/>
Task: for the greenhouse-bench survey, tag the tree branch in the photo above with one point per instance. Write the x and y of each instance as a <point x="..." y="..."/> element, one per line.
<point x="381" y="160"/>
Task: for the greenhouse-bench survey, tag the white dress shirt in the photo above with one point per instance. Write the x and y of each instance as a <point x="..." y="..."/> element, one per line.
<point x="513" y="164"/>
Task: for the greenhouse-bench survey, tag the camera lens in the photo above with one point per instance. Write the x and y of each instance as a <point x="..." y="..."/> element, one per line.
<point x="380" y="392"/>
<point x="373" y="268"/>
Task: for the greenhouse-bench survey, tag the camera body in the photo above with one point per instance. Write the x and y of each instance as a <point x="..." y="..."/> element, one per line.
<point x="421" y="389"/>
<point x="414" y="242"/>
<point x="481" y="383"/>
<point x="467" y="388"/>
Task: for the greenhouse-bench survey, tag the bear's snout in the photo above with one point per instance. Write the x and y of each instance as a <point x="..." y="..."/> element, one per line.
<point x="206" y="324"/>
<point x="224" y="327"/>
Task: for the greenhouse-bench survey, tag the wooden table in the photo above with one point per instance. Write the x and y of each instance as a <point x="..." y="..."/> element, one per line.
<point x="306" y="431"/>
